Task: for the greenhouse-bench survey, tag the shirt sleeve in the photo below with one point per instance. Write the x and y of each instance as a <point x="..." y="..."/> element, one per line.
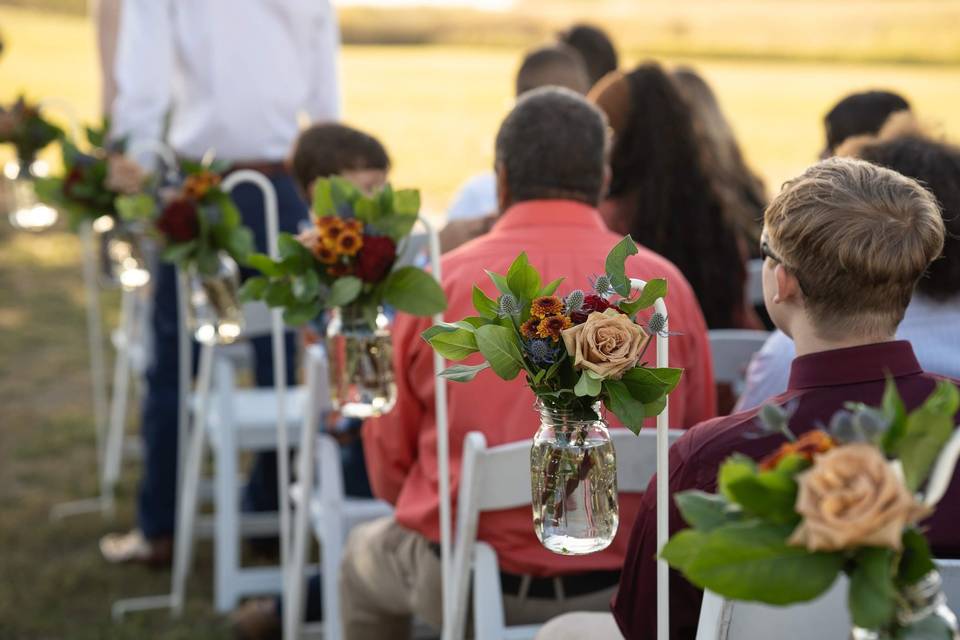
<point x="143" y="70"/>
<point x="323" y="102"/>
<point x="768" y="373"/>
<point x="390" y="441"/>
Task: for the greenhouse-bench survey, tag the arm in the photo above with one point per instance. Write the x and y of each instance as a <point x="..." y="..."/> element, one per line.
<point x="106" y="19"/>
<point x="390" y="442"/>
<point x="323" y="99"/>
<point x="143" y="70"/>
<point x="768" y="372"/>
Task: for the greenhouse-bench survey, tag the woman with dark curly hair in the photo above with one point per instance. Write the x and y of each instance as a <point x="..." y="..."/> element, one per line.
<point x="662" y="195"/>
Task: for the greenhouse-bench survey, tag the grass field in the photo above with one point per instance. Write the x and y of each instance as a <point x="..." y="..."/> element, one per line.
<point x="437" y="109"/>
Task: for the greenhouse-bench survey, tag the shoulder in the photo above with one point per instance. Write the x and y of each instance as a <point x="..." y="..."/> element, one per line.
<point x="711" y="441"/>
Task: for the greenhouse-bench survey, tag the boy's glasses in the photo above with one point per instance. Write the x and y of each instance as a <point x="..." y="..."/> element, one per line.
<point x="767" y="252"/>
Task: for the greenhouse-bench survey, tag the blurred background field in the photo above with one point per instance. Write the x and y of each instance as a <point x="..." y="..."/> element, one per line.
<point x="435" y="96"/>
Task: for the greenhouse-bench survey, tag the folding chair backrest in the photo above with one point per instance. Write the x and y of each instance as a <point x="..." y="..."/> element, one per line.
<point x="825" y="617"/>
<point x="754" y="285"/>
<point x="637" y="457"/>
<point x="413" y="250"/>
<point x="732" y="350"/>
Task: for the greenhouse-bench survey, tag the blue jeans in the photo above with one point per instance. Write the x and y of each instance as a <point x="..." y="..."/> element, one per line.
<point x="156" y="503"/>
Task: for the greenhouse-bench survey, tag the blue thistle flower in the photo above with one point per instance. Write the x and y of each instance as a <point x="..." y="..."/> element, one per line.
<point x="657" y="324"/>
<point x="541" y="352"/>
<point x="602" y="285"/>
<point x="574" y="301"/>
<point x="509" y="306"/>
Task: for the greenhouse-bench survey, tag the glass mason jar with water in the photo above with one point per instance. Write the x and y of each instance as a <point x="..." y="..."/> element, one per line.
<point x="121" y="252"/>
<point x="921" y="609"/>
<point x="214" y="312"/>
<point x="573" y="477"/>
<point x="18" y="196"/>
<point x="360" y="359"/>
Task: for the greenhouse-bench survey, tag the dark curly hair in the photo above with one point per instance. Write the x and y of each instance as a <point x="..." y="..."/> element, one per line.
<point x="936" y="165"/>
<point x="659" y="177"/>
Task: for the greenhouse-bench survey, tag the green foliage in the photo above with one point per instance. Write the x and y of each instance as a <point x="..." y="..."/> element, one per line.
<point x="454" y="345"/>
<point x="522" y="279"/>
<point x="770" y="495"/>
<point x="926" y="430"/>
<point x="704" y="511"/>
<point x="463" y="372"/>
<point x="616" y="265"/>
<point x="486" y="307"/>
<point x="136" y="207"/>
<point x="871" y="592"/>
<point x="651" y="292"/>
<point x="916" y="560"/>
<point x="414" y="291"/>
<point x="587" y="385"/>
<point x="628" y="409"/>
<point x="499" y="348"/>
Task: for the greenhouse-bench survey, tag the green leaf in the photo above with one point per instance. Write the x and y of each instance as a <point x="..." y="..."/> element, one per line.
<point x="917" y="559"/>
<point x="278" y="294"/>
<point x="323" y="199"/>
<point x="770" y="495"/>
<point x="499" y="347"/>
<point x="343" y="191"/>
<point x="682" y="548"/>
<point x="440" y="327"/>
<point x="463" y="372"/>
<point x="485" y="306"/>
<point x="523" y="279"/>
<point x="623" y="405"/>
<point x="395" y="226"/>
<point x="135" y="207"/>
<point x="306" y="287"/>
<point x="927" y="429"/>
<point x="871" y="594"/>
<point x="501" y="283"/>
<point x="301" y="313"/>
<point x="414" y="291"/>
<point x="406" y="202"/>
<point x="734" y="468"/>
<point x="654" y="289"/>
<point x="179" y="252"/>
<point x="288" y="245"/>
<point x="254" y="288"/>
<point x="587" y="386"/>
<point x="264" y="264"/>
<point x="454" y="345"/>
<point x="239" y="243"/>
<point x="343" y="291"/>
<point x="644" y="385"/>
<point x="551" y="288"/>
<point x="896" y="413"/>
<point x="653" y="409"/>
<point x="616" y="265"/>
<point x="751" y="560"/>
<point x="929" y="628"/>
<point x="366" y="210"/>
<point x="703" y="511"/>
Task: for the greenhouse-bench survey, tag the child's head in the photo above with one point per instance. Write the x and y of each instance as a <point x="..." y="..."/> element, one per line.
<point x="332" y="149"/>
<point x="845" y="244"/>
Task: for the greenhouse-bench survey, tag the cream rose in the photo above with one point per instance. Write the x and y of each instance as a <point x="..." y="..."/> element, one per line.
<point x="853" y="496"/>
<point x="608" y="343"/>
<point x="124" y="175"/>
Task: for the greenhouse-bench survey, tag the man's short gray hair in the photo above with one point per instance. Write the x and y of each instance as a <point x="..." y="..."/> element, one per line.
<point x="553" y="145"/>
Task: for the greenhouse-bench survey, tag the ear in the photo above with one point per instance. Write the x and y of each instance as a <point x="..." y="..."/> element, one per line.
<point x="504" y="197"/>
<point x="788" y="288"/>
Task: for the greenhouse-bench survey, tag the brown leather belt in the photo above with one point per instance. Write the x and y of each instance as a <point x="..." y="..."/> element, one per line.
<point x="269" y="168"/>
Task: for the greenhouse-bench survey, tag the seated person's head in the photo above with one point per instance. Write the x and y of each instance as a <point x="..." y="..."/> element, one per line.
<point x="845" y="244"/>
<point x="552" y="145"/>
<point x="595" y="47"/>
<point x="555" y="65"/>
<point x="858" y="114"/>
<point x="332" y="149"/>
<point x="936" y="165"/>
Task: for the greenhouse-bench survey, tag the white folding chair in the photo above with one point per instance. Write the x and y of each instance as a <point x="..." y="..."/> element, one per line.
<point x="499" y="478"/>
<point x="753" y="289"/>
<point x="825" y="617"/>
<point x="732" y="350"/>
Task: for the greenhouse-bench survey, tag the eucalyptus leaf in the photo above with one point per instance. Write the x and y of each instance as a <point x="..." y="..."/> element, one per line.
<point x="343" y="291"/>
<point x="485" y="306"/>
<point x="587" y="386"/>
<point x="414" y="291"/>
<point x="624" y="405"/>
<point x="499" y="347"/>
<point x="463" y="372"/>
<point x="616" y="265"/>
<point x="454" y="345"/>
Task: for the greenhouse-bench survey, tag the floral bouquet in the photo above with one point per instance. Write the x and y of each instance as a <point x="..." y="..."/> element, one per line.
<point x="347" y="262"/>
<point x="842" y="498"/>
<point x="27" y="130"/>
<point x="576" y="351"/>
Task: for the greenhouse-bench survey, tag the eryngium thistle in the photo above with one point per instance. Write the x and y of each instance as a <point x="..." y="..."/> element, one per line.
<point x="541" y="351"/>
<point x="509" y="306"/>
<point x="657" y="324"/>
<point x="574" y="301"/>
<point x="602" y="285"/>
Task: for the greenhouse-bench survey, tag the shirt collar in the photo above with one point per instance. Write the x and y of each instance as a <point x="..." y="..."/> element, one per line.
<point x="854" y="365"/>
<point x="547" y="214"/>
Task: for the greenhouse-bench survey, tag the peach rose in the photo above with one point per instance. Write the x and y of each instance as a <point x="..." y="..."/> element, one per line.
<point x="608" y="343"/>
<point x="852" y="496"/>
<point x="123" y="175"/>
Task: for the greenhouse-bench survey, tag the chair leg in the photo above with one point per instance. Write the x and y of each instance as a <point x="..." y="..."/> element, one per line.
<point x="226" y="517"/>
<point x="118" y="404"/>
<point x="331" y="552"/>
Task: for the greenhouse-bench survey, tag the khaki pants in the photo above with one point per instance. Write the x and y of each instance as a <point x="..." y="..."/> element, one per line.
<point x="390" y="574"/>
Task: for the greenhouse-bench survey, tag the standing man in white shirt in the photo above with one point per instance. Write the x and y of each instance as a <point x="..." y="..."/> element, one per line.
<point x="230" y="77"/>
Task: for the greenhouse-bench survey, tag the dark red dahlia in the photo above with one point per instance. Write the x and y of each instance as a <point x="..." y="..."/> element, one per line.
<point x="74" y="178"/>
<point x="178" y="222"/>
<point x="590" y="304"/>
<point x="375" y="258"/>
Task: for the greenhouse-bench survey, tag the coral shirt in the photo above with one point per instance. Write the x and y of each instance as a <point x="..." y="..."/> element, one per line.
<point x="562" y="239"/>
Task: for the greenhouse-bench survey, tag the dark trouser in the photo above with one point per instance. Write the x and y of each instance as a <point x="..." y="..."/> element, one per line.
<point x="157" y="498"/>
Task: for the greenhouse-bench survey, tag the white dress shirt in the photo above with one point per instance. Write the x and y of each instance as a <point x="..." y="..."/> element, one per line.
<point x="476" y="198"/>
<point x="234" y="75"/>
<point x="932" y="327"/>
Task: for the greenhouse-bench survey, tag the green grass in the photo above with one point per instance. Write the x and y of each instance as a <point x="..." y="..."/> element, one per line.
<point x="437" y="109"/>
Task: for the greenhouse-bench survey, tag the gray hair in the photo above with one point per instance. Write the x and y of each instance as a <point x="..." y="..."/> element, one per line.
<point x="553" y="144"/>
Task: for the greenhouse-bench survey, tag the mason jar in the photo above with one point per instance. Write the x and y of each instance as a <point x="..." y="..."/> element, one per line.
<point x="214" y="312"/>
<point x="121" y="253"/>
<point x="18" y="196"/>
<point x="360" y="360"/>
<point x="922" y="606"/>
<point x="573" y="481"/>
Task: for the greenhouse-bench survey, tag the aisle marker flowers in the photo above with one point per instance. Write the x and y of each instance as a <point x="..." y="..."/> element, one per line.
<point x="23" y="126"/>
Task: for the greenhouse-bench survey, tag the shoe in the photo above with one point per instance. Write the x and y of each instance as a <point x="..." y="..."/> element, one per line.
<point x="133" y="548"/>
<point x="257" y="619"/>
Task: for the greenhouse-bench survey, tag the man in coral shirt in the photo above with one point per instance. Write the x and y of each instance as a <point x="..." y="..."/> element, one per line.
<point x="550" y="176"/>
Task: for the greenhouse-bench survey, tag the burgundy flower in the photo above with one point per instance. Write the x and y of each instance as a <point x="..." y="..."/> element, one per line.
<point x="590" y="304"/>
<point x="375" y="258"/>
<point x="178" y="222"/>
<point x="73" y="179"/>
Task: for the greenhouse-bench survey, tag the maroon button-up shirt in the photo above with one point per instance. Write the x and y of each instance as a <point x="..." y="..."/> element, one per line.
<point x="820" y="383"/>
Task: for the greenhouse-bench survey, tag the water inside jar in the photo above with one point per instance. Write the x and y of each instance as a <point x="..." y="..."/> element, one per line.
<point x="361" y="373"/>
<point x="574" y="484"/>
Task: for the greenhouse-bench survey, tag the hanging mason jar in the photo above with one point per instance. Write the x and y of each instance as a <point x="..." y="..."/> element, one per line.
<point x="214" y="312"/>
<point x="573" y="478"/>
<point x="360" y="359"/>
<point x="120" y="250"/>
<point x="922" y="608"/>
<point x="18" y="196"/>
